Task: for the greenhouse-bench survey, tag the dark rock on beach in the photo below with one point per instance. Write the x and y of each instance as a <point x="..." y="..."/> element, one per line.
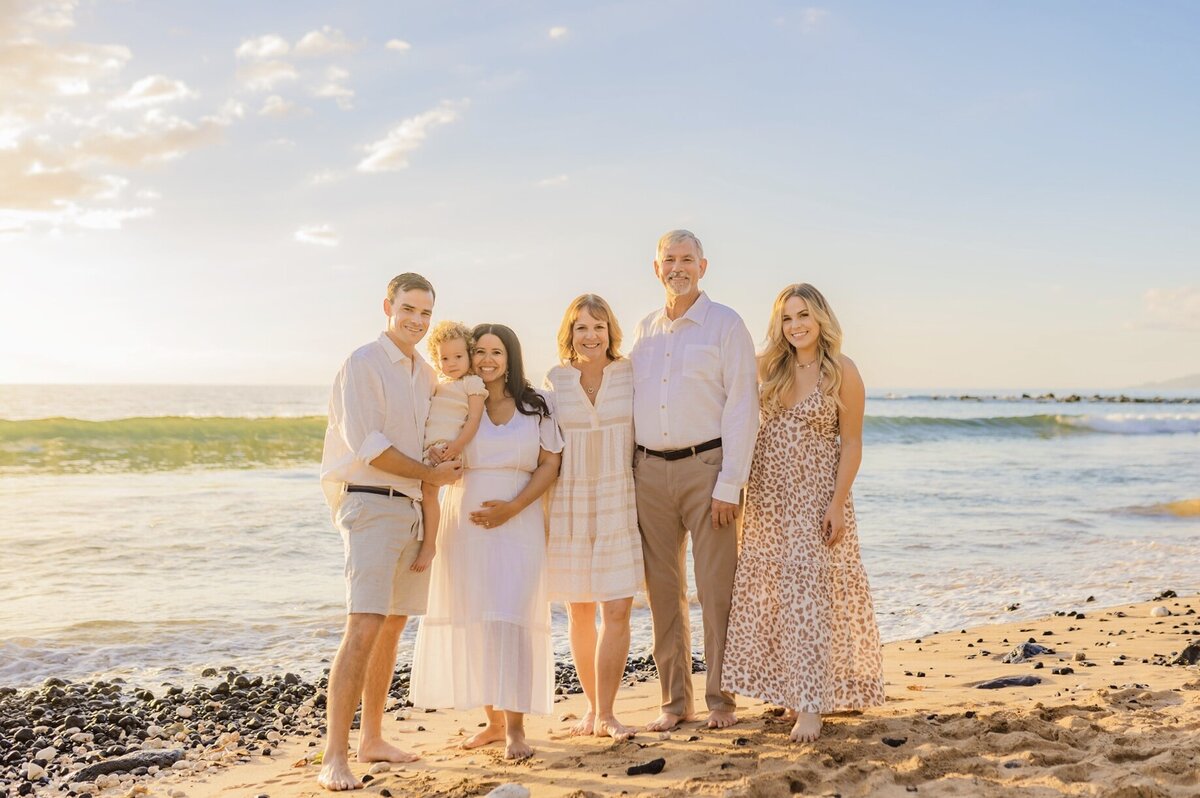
<point x="654" y="766"/>
<point x="1189" y="656"/>
<point x="1024" y="652"/>
<point x="128" y="764"/>
<point x="1009" y="681"/>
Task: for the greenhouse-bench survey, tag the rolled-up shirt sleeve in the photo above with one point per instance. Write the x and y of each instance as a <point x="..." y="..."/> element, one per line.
<point x="739" y="419"/>
<point x="356" y="411"/>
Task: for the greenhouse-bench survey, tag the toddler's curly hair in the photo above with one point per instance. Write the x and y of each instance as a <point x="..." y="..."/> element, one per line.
<point x="448" y="331"/>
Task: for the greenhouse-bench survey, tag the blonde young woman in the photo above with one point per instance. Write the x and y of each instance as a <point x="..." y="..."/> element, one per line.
<point x="802" y="630"/>
<point x="594" y="551"/>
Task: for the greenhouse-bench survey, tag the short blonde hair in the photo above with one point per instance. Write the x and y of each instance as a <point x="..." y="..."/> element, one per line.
<point x="445" y="331"/>
<point x="597" y="307"/>
<point x="678" y="237"/>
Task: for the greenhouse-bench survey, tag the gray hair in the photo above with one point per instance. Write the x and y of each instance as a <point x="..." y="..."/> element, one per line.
<point x="678" y="237"/>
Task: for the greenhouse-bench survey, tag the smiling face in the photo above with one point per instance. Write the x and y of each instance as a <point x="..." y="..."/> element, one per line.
<point x="589" y="337"/>
<point x="453" y="358"/>
<point x="799" y="327"/>
<point x="408" y="318"/>
<point x="490" y="358"/>
<point x="679" y="268"/>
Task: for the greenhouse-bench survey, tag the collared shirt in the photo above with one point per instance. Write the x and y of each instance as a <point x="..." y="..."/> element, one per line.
<point x="695" y="380"/>
<point x="380" y="399"/>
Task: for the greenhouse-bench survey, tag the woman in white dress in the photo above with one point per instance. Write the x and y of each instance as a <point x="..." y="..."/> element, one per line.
<point x="485" y="639"/>
<point x="594" y="549"/>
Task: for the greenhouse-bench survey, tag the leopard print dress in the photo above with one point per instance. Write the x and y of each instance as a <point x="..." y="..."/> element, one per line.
<point x="802" y="631"/>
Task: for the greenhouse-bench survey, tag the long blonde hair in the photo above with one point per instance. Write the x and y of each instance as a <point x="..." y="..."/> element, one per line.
<point x="778" y="356"/>
<point x="598" y="309"/>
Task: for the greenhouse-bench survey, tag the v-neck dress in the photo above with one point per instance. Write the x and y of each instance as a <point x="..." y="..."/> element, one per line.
<point x="802" y="630"/>
<point x="485" y="639"/>
<point x="594" y="551"/>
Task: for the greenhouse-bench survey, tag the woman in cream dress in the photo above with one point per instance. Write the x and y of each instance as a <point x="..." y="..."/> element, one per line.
<point x="594" y="549"/>
<point x="485" y="639"/>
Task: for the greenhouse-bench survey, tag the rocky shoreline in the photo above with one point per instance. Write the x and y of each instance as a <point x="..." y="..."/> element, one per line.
<point x="81" y="738"/>
<point x="1074" y="398"/>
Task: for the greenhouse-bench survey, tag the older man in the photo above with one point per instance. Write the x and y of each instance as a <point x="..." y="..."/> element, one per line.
<point x="695" y="412"/>
<point x="371" y="472"/>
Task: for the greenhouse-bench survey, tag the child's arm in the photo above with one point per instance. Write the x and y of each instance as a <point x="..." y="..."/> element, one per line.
<point x="474" y="416"/>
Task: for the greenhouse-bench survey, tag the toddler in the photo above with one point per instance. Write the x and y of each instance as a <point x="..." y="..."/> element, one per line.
<point x="454" y="416"/>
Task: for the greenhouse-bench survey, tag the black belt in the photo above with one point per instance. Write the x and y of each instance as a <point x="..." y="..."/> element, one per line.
<point x="378" y="491"/>
<point x="679" y="454"/>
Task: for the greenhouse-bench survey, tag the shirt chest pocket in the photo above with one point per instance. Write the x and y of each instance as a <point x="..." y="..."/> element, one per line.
<point x="702" y="362"/>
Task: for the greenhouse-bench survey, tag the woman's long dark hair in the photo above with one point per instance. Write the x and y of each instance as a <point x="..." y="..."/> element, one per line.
<point x="529" y="401"/>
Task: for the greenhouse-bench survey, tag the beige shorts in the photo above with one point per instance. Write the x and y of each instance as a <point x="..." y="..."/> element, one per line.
<point x="380" y="534"/>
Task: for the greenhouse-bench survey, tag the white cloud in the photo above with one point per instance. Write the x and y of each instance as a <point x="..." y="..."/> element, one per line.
<point x="1175" y="309"/>
<point x="553" y="182"/>
<point x="391" y="152"/>
<point x="325" y="177"/>
<point x="558" y="32"/>
<point x="324" y="42"/>
<point x="333" y="88"/>
<point x="277" y="107"/>
<point x="53" y="14"/>
<point x="153" y="90"/>
<point x="319" y="234"/>
<point x="399" y="45"/>
<point x="263" y="48"/>
<point x="812" y="18"/>
<point x="266" y="75"/>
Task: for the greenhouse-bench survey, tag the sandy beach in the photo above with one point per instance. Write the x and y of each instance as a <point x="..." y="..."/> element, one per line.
<point x="1107" y="717"/>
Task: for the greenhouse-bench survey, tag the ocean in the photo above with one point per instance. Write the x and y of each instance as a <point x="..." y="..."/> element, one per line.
<point x="149" y="532"/>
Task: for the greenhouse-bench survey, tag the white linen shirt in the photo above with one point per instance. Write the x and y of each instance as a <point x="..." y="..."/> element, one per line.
<point x="695" y="380"/>
<point x="380" y="399"/>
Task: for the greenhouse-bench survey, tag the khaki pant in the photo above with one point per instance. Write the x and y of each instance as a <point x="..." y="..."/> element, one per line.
<point x="673" y="499"/>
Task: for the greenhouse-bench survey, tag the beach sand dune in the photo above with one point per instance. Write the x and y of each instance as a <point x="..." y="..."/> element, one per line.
<point x="1109" y="716"/>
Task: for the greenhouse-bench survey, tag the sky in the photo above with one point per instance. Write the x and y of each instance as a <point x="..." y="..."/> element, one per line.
<point x="990" y="195"/>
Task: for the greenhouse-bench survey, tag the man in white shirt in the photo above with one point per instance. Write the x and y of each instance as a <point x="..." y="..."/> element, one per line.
<point x="695" y="412"/>
<point x="371" y="473"/>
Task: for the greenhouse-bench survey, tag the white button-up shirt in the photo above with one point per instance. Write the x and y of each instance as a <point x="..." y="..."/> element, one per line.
<point x="380" y="399"/>
<point x="695" y="380"/>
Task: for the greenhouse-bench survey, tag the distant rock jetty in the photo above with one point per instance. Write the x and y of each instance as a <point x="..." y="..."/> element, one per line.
<point x="1117" y="399"/>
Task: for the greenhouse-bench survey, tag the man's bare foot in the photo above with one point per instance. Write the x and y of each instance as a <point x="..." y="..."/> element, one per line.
<point x="807" y="728"/>
<point x="721" y="719"/>
<point x="516" y="747"/>
<point x="489" y="734"/>
<point x="666" y="721"/>
<point x="337" y="776"/>
<point x="585" y="726"/>
<point x="609" y="726"/>
<point x="380" y="751"/>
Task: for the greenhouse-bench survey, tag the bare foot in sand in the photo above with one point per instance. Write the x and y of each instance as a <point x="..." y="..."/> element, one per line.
<point x="585" y="727"/>
<point x="489" y="734"/>
<point x="609" y="726"/>
<point x="807" y="728"/>
<point x="516" y="748"/>
<point x="380" y="751"/>
<point x="337" y="776"/>
<point x="721" y="719"/>
<point x="666" y="722"/>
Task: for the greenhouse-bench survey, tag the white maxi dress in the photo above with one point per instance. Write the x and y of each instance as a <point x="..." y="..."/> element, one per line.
<point x="485" y="639"/>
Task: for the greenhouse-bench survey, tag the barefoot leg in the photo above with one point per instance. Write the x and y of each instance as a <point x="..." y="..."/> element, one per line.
<point x="807" y="727"/>
<point x="492" y="733"/>
<point x="345" y="685"/>
<point x="582" y="634"/>
<point x="666" y="722"/>
<point x="611" y="653"/>
<point x="371" y="745"/>
<point x="609" y="726"/>
<point x="515" y="746"/>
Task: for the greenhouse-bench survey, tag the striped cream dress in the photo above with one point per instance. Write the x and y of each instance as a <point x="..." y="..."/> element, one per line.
<point x="594" y="551"/>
